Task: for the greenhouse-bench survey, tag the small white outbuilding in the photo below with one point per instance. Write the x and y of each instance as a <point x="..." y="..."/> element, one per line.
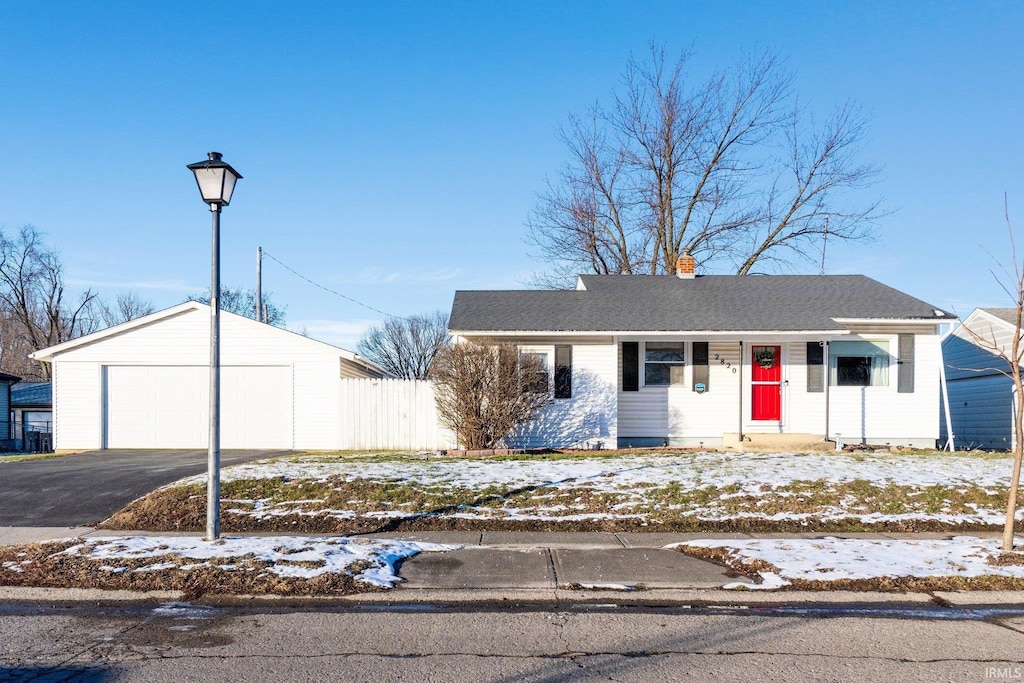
<point x="145" y="384"/>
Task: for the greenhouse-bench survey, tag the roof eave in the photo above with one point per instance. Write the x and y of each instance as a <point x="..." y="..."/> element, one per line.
<point x="619" y="333"/>
<point x="896" y="321"/>
<point x="49" y="352"/>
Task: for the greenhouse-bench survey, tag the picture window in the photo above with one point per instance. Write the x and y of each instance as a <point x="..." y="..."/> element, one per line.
<point x="859" y="364"/>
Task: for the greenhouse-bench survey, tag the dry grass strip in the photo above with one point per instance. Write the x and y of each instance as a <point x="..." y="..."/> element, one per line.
<point x="42" y="565"/>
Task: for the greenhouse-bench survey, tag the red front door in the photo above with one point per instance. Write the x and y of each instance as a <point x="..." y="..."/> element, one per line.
<point x="766" y="382"/>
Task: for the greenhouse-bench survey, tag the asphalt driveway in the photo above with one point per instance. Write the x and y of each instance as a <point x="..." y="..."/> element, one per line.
<point x="86" y="488"/>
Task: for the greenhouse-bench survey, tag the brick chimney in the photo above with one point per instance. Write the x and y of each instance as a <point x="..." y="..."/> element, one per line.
<point x="685" y="266"/>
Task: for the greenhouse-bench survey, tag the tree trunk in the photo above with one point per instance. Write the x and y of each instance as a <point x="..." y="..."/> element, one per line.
<point x="1011" y="504"/>
<point x="1018" y="452"/>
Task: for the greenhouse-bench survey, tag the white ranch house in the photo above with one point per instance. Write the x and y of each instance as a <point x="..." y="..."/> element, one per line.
<point x="640" y="360"/>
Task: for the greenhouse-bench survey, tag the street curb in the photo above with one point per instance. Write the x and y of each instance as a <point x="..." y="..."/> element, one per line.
<point x="557" y="596"/>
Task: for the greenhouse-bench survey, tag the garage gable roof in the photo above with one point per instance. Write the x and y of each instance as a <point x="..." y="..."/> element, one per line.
<point x="49" y="353"/>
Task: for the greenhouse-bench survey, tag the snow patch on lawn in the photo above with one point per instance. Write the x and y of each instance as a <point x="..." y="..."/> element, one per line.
<point x="283" y="553"/>
<point x="748" y="471"/>
<point x="638" y="484"/>
<point x="834" y="559"/>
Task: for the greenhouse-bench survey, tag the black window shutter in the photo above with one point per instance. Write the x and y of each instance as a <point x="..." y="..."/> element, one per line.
<point x="631" y="366"/>
<point x="563" y="371"/>
<point x="815" y="367"/>
<point x="701" y="373"/>
<point x="905" y="383"/>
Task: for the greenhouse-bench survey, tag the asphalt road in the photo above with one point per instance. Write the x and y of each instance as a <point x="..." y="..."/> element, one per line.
<point x="86" y="488"/>
<point x="499" y="643"/>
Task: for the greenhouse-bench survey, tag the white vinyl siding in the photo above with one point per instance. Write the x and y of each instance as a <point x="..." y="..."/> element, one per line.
<point x="642" y="413"/>
<point x="804" y="410"/>
<point x="694" y="417"/>
<point x="881" y="415"/>
<point x="77" y="406"/>
<point x="586" y="419"/>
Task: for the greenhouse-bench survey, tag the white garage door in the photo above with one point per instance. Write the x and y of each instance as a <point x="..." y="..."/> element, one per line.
<point x="160" y="406"/>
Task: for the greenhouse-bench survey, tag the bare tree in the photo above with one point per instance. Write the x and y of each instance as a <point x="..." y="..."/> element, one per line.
<point x="32" y="294"/>
<point x="128" y="306"/>
<point x="14" y="349"/>
<point x="728" y="169"/>
<point x="406" y="347"/>
<point x="1012" y="282"/>
<point x="484" y="392"/>
<point x="242" y="301"/>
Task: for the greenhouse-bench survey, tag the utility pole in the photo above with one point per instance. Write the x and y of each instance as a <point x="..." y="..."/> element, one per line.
<point x="260" y="313"/>
<point x="824" y="244"/>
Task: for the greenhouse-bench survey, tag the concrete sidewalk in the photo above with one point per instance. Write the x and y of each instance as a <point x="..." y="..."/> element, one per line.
<point x="544" y="565"/>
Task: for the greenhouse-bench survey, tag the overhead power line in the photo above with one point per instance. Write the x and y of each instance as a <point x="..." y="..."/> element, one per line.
<point x="327" y="289"/>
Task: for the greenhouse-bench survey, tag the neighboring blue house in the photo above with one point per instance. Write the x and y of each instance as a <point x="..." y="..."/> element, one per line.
<point x="6" y="430"/>
<point x="980" y="393"/>
<point x="31" y="410"/>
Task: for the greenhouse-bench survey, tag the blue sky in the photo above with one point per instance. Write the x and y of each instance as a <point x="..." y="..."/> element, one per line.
<point x="392" y="151"/>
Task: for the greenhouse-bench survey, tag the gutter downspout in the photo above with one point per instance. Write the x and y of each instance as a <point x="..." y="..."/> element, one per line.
<point x="741" y="397"/>
<point x="827" y="367"/>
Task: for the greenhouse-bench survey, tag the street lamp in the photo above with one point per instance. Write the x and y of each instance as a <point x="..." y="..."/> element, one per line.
<point x="216" y="180"/>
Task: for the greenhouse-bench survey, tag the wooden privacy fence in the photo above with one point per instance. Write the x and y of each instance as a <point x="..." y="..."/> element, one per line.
<point x="391" y="414"/>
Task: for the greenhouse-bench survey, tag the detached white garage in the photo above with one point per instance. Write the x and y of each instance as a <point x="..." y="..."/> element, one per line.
<point x="145" y="384"/>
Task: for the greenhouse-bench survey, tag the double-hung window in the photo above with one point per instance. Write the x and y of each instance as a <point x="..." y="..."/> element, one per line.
<point x="536" y="372"/>
<point x="858" y="363"/>
<point x="539" y="371"/>
<point x="664" y="363"/>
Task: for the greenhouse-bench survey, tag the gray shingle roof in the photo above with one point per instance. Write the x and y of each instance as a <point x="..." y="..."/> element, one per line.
<point x="1007" y="314"/>
<point x="648" y="303"/>
<point x="31" y="394"/>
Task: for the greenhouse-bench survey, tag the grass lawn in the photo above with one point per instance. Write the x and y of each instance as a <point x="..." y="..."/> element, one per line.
<point x="21" y="457"/>
<point x="608" y="491"/>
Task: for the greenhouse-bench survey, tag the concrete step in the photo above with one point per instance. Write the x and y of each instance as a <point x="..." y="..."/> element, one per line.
<point x="788" y="442"/>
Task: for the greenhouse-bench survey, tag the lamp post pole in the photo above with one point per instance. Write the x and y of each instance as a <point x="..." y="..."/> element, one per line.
<point x="216" y="180"/>
<point x="213" y="457"/>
